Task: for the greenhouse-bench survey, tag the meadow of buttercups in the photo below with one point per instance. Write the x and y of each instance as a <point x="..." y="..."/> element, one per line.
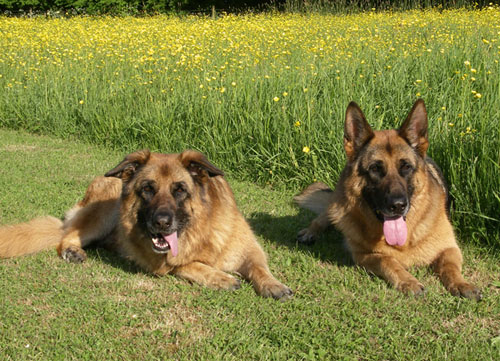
<point x="264" y="95"/>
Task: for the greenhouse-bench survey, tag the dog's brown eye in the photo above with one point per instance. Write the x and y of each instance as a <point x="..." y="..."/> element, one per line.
<point x="148" y="189"/>
<point x="376" y="168"/>
<point x="179" y="190"/>
<point x="406" y="168"/>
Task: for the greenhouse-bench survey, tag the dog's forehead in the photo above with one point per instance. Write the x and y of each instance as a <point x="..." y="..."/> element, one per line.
<point x="387" y="145"/>
<point x="167" y="166"/>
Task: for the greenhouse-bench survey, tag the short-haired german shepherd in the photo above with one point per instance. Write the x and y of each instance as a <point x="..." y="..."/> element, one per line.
<point x="169" y="213"/>
<point x="391" y="204"/>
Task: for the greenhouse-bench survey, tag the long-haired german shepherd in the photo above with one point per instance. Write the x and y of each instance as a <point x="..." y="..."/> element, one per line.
<point x="391" y="204"/>
<point x="169" y="213"/>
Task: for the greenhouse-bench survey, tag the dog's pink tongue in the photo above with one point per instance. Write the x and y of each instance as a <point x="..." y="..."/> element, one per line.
<point x="171" y="239"/>
<point x="395" y="231"/>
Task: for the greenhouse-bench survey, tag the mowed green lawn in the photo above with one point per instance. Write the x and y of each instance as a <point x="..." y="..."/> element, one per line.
<point x="108" y="309"/>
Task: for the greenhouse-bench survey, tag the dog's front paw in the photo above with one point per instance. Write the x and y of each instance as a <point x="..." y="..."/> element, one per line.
<point x="467" y="290"/>
<point x="224" y="281"/>
<point x="411" y="287"/>
<point x="305" y="236"/>
<point x="73" y="254"/>
<point x="276" y="290"/>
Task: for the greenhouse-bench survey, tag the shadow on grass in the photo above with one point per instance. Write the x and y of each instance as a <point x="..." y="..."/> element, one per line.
<point x="283" y="231"/>
<point x="112" y="258"/>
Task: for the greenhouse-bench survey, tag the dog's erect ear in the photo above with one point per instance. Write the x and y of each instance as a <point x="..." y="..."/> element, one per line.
<point x="357" y="131"/>
<point x="414" y="128"/>
<point x="130" y="165"/>
<point x="198" y="165"/>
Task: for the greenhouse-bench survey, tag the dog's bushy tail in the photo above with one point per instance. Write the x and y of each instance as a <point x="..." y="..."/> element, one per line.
<point x="34" y="236"/>
<point x="316" y="197"/>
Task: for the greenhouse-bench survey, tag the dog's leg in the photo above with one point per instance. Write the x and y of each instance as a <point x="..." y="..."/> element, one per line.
<point x="448" y="266"/>
<point x="205" y="275"/>
<point x="87" y="224"/>
<point x="318" y="225"/>
<point x="91" y="219"/>
<point x="71" y="246"/>
<point x="255" y="270"/>
<point x="391" y="270"/>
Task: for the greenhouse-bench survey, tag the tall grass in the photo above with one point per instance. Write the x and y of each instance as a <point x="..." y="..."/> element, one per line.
<point x="264" y="95"/>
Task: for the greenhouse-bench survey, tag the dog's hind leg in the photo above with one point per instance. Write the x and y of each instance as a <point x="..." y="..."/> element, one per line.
<point x="317" y="226"/>
<point x="88" y="224"/>
<point x="91" y="219"/>
<point x="318" y="198"/>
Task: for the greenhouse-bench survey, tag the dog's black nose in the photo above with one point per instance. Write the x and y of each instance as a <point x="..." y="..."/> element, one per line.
<point x="163" y="220"/>
<point x="397" y="204"/>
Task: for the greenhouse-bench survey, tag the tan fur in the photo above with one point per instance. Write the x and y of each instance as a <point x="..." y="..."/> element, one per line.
<point x="316" y="197"/>
<point x="92" y="219"/>
<point x="216" y="243"/>
<point x="430" y="241"/>
<point x="34" y="236"/>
